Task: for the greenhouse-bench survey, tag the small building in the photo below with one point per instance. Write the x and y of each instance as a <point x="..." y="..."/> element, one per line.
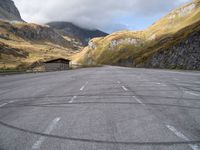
<point x="51" y="65"/>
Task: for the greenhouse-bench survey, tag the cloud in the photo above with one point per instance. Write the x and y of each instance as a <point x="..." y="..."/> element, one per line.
<point x="93" y="13"/>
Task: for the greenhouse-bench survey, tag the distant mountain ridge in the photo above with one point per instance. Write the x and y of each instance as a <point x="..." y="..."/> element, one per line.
<point x="76" y="32"/>
<point x="8" y="11"/>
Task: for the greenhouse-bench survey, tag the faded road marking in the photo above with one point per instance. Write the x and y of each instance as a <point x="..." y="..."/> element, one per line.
<point x="50" y="128"/>
<point x="191" y="93"/>
<point x="176" y="79"/>
<point x="82" y="88"/>
<point x="4" y="104"/>
<point x="72" y="99"/>
<point x="124" y="88"/>
<point x="118" y="82"/>
<point x="138" y="100"/>
<point x="180" y="135"/>
<point x="161" y="84"/>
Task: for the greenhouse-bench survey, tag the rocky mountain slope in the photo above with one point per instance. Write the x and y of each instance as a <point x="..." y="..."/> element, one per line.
<point x="171" y="42"/>
<point x="22" y="44"/>
<point x="75" y="32"/>
<point x="184" y="55"/>
<point x="8" y="11"/>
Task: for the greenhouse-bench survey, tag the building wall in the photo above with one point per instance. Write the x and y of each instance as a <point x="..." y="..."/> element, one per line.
<point x="56" y="66"/>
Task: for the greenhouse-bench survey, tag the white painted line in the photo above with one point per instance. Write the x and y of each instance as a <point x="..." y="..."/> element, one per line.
<point x="180" y="135"/>
<point x="138" y="100"/>
<point x="118" y="82"/>
<point x="161" y="84"/>
<point x="82" y="88"/>
<point x="72" y="99"/>
<point x="50" y="128"/>
<point x="176" y="79"/>
<point x="191" y="93"/>
<point x="124" y="88"/>
<point x="11" y="102"/>
<point x="4" y="104"/>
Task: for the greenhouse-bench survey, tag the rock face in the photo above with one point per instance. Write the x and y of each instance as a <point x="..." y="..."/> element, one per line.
<point x="8" y="11"/>
<point x="39" y="33"/>
<point x="71" y="30"/>
<point x="185" y="55"/>
<point x="11" y="51"/>
<point x="126" y="41"/>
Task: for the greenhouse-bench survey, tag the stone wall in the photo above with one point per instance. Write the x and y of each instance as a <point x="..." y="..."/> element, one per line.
<point x="56" y="66"/>
<point x="185" y="55"/>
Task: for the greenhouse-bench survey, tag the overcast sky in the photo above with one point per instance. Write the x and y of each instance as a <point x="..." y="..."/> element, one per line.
<point x="107" y="15"/>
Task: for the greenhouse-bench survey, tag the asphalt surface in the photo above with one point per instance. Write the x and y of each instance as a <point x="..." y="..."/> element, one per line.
<point x="107" y="108"/>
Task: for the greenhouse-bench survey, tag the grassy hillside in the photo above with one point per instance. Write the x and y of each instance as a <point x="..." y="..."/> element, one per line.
<point x="138" y="46"/>
<point x="22" y="44"/>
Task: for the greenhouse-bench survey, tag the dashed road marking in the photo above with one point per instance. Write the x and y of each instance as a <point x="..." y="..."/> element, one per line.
<point x="138" y="100"/>
<point x="191" y="93"/>
<point x="118" y="82"/>
<point x="158" y="83"/>
<point x="4" y="104"/>
<point x="124" y="88"/>
<point x="50" y="128"/>
<point x="11" y="102"/>
<point x="161" y="84"/>
<point x="72" y="99"/>
<point x="182" y="136"/>
<point x="82" y="88"/>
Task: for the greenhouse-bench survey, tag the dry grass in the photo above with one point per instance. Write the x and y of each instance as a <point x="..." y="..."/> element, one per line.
<point x="36" y="50"/>
<point x="167" y="31"/>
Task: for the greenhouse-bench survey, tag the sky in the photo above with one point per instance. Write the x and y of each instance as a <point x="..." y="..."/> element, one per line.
<point x="106" y="15"/>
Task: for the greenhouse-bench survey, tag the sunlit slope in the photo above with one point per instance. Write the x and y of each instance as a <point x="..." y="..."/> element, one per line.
<point x="22" y="44"/>
<point x="137" y="46"/>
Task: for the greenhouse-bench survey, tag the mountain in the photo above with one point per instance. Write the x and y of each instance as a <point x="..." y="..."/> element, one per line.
<point x="75" y="32"/>
<point x="171" y="42"/>
<point x="22" y="43"/>
<point x="8" y="11"/>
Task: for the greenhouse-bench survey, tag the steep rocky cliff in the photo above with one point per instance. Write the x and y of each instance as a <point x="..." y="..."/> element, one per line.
<point x="8" y="11"/>
<point x="184" y="55"/>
